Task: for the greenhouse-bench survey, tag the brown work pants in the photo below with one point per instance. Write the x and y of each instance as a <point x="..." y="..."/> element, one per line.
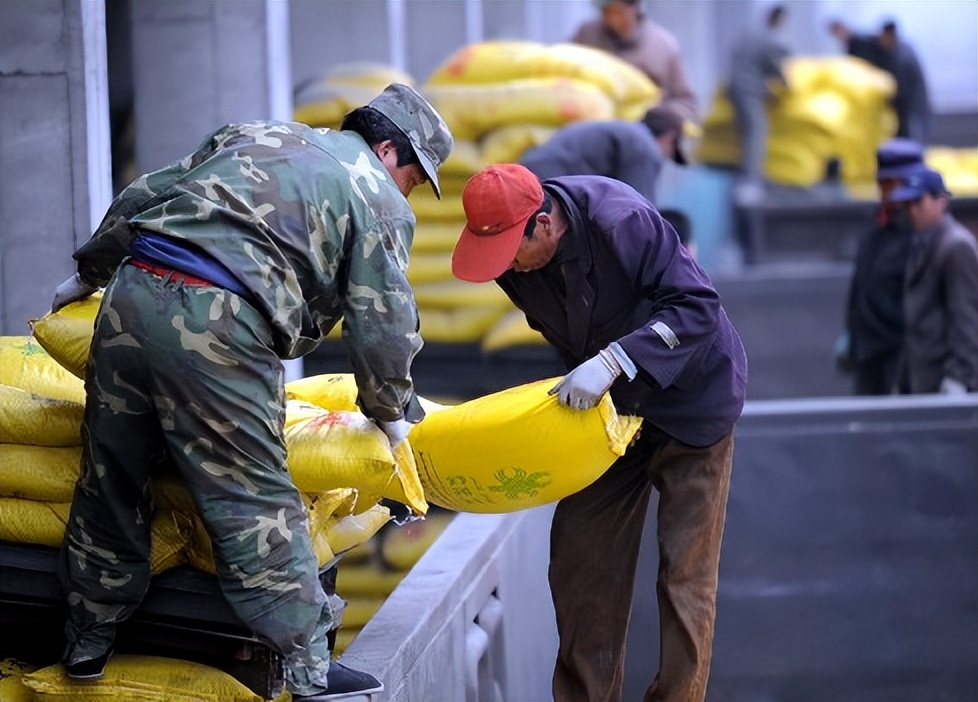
<point x="594" y="548"/>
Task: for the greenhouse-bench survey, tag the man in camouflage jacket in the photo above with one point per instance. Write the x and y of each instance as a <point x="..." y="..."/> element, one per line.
<point x="245" y="252"/>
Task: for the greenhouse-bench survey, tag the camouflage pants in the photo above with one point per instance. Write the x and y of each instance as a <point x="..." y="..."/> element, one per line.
<point x="187" y="374"/>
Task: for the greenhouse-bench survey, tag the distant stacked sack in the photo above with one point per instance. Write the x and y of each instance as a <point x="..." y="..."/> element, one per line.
<point x="324" y="102"/>
<point x="959" y="166"/>
<point x="833" y="108"/>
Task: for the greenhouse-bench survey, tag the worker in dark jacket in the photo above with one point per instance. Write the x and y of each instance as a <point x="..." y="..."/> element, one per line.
<point x="632" y="152"/>
<point x="607" y="282"/>
<point x="940" y="292"/>
<point x="870" y="347"/>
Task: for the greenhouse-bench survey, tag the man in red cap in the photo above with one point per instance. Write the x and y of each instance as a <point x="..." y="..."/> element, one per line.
<point x="606" y="280"/>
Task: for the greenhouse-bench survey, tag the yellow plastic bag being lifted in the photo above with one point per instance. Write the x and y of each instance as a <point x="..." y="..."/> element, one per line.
<point x="67" y="333"/>
<point x="516" y="449"/>
<point x="130" y="677"/>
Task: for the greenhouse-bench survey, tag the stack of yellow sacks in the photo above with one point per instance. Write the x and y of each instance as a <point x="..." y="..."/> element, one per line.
<point x="485" y="455"/>
<point x="833" y="108"/>
<point x="342" y="463"/>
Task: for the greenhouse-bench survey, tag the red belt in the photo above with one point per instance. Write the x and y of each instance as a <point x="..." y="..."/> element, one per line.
<point x="175" y="276"/>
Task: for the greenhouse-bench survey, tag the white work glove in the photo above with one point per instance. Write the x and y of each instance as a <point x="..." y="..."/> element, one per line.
<point x="584" y="386"/>
<point x="396" y="431"/>
<point x="70" y="291"/>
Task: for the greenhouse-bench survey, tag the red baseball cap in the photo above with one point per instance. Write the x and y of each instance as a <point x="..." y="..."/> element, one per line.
<point x="498" y="202"/>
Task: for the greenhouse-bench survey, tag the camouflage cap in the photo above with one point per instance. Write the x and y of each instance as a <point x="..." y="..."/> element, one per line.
<point x="415" y="116"/>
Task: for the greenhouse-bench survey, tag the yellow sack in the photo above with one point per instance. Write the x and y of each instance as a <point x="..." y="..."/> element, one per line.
<point x="344" y="637"/>
<point x="498" y="61"/>
<point x="464" y="160"/>
<point x="12" y="688"/>
<point x="511" y="330"/>
<point x="43" y="524"/>
<point x="132" y="678"/>
<point x="26" y="365"/>
<point x="26" y="418"/>
<point x="32" y="522"/>
<point x="67" y="333"/>
<point x="346" y="533"/>
<point x="360" y="609"/>
<point x="462" y="325"/>
<point x="432" y="237"/>
<point x="516" y="449"/>
<point x="428" y="208"/>
<point x="452" y="294"/>
<point x="402" y="546"/>
<point x="356" y="580"/>
<point x="332" y="391"/>
<point x="335" y="449"/>
<point x="508" y="144"/>
<point x="472" y="111"/>
<point x="429" y="268"/>
<point x="321" y="510"/>
<point x="42" y="473"/>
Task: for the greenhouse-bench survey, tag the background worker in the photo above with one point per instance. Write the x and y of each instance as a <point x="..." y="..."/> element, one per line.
<point x="607" y="282"/>
<point x="632" y="152"/>
<point x="871" y="345"/>
<point x="940" y="294"/>
<point x="889" y="52"/>
<point x="245" y="252"/>
<point x="625" y="30"/>
<point x="755" y="68"/>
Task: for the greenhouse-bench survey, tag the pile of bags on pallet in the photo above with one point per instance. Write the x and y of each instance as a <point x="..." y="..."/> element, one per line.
<point x="834" y="108"/>
<point x="508" y="451"/>
<point x="499" y="98"/>
<point x="485" y="455"/>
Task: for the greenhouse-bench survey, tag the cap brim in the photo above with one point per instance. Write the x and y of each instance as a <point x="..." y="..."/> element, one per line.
<point x="679" y="157"/>
<point x="429" y="168"/>
<point x="479" y="259"/>
<point x="895" y="172"/>
<point x="905" y="195"/>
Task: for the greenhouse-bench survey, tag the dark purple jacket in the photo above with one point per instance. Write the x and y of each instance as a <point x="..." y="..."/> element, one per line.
<point x="621" y="274"/>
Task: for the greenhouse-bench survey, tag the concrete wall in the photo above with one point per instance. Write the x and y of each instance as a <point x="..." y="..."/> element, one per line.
<point x="54" y="147"/>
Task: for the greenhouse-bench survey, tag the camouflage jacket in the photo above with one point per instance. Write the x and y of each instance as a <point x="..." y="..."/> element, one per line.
<point x="311" y="223"/>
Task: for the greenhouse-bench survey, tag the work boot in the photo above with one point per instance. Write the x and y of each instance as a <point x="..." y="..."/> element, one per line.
<point x="91" y="670"/>
<point x="343" y="683"/>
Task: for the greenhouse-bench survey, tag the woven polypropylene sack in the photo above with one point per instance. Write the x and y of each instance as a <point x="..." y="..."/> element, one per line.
<point x="133" y="678"/>
<point x="35" y="420"/>
<point x="516" y="449"/>
<point x="67" y="333"/>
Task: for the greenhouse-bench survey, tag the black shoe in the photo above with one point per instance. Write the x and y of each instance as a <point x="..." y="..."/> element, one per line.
<point x="343" y="683"/>
<point x="90" y="670"/>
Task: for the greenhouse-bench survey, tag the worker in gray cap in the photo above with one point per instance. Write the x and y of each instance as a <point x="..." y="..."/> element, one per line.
<point x="245" y="252"/>
<point x="870" y="347"/>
